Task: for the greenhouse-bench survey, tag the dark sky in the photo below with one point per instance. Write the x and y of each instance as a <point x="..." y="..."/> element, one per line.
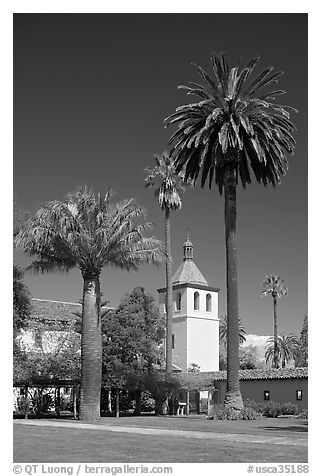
<point x="91" y="92"/>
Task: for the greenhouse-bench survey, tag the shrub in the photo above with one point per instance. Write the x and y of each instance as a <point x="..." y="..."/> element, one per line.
<point x="252" y="404"/>
<point x="270" y="409"/>
<point x="249" y="413"/>
<point x="274" y="409"/>
<point x="303" y="414"/>
<point x="221" y="413"/>
<point x="41" y="402"/>
<point x="148" y="402"/>
<point x="288" y="408"/>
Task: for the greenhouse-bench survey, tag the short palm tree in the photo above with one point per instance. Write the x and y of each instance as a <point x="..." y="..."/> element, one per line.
<point x="223" y="330"/>
<point x="169" y="185"/>
<point x="274" y="286"/>
<point x="232" y="128"/>
<point x="89" y="232"/>
<point x="287" y="348"/>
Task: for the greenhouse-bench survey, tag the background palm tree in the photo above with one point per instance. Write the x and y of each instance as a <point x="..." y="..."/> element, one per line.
<point x="169" y="185"/>
<point x="234" y="127"/>
<point x="274" y="286"/>
<point x="287" y="348"/>
<point x="303" y="355"/>
<point x="89" y="232"/>
<point x="223" y="330"/>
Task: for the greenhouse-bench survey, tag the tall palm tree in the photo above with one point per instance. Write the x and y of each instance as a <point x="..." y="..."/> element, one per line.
<point x="89" y="232"/>
<point x="223" y="330"/>
<point x="274" y="286"/>
<point x="234" y="127"/>
<point x="287" y="348"/>
<point x="169" y="185"/>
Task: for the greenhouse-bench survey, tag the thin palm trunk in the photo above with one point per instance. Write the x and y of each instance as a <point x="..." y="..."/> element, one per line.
<point x="275" y="333"/>
<point x="57" y="401"/>
<point x="91" y="351"/>
<point x="233" y="396"/>
<point x="117" y="403"/>
<point x="138" y="402"/>
<point x="26" y="402"/>
<point x="74" y="397"/>
<point x="169" y="295"/>
<point x="109" y="401"/>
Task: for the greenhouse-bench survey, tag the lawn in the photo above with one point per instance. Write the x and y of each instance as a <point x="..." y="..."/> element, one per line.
<point x="285" y="426"/>
<point x="70" y="445"/>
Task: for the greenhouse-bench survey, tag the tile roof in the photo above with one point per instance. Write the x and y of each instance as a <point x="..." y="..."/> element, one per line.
<point x="203" y="380"/>
<point x="55" y="314"/>
<point x="188" y="272"/>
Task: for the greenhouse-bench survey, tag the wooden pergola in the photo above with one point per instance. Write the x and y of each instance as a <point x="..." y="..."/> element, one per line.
<point x="49" y="382"/>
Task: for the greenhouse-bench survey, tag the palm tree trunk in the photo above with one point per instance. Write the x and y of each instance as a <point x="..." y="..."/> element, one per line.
<point x="233" y="397"/>
<point x="74" y="396"/>
<point x="138" y="403"/>
<point x="169" y="295"/>
<point x="57" y="401"/>
<point x="26" y="402"/>
<point x="275" y="334"/>
<point x="117" y="403"/>
<point x="109" y="401"/>
<point x="91" y="351"/>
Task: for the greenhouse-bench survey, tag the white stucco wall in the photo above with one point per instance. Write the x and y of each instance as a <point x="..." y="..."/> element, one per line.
<point x="202" y="313"/>
<point x="197" y="341"/>
<point x="203" y="343"/>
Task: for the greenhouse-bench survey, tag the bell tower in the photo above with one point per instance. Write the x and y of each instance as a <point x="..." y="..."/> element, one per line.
<point x="195" y="336"/>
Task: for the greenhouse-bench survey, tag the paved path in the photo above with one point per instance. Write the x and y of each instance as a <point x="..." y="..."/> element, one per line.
<point x="234" y="437"/>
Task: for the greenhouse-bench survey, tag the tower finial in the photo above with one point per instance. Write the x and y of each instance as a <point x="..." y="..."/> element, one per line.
<point x="188" y="247"/>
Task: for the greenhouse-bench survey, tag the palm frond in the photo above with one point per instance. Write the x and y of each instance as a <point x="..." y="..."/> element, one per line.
<point x="233" y="121"/>
<point x="274" y="286"/>
<point x="168" y="181"/>
<point x="286" y="347"/>
<point x="88" y="232"/>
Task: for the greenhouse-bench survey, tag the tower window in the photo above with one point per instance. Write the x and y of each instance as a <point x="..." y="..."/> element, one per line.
<point x="208" y="303"/>
<point x="178" y="301"/>
<point x="299" y="394"/>
<point x="196" y="301"/>
<point x="173" y="341"/>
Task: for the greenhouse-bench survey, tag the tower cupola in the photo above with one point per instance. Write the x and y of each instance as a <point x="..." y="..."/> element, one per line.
<point x="188" y="272"/>
<point x="188" y="249"/>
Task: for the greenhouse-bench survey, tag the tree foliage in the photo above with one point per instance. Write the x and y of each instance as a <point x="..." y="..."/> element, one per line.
<point x="273" y="285"/>
<point x="249" y="357"/>
<point x="49" y="351"/>
<point x="21" y="301"/>
<point x="234" y="127"/>
<point x="223" y="330"/>
<point x="287" y="347"/>
<point x="194" y="368"/>
<point x="132" y="338"/>
<point x="303" y="354"/>
<point x="232" y="120"/>
<point x="168" y="184"/>
<point x="20" y="216"/>
<point x="89" y="231"/>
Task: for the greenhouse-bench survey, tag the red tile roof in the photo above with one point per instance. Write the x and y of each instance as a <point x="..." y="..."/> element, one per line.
<point x="204" y="380"/>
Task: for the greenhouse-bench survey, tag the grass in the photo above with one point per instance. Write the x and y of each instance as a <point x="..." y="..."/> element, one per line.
<point x="200" y="423"/>
<point x="71" y="445"/>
